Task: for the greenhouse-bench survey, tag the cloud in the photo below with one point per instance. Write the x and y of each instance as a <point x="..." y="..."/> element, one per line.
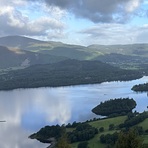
<point x="114" y="33"/>
<point x="116" y="11"/>
<point x="14" y="22"/>
<point x="57" y="19"/>
<point x="142" y="35"/>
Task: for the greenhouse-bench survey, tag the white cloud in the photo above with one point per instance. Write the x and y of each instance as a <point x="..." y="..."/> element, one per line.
<point x="48" y="19"/>
<point x="114" y="34"/>
<point x="132" y="5"/>
<point x="13" y="3"/>
<point x="14" y="22"/>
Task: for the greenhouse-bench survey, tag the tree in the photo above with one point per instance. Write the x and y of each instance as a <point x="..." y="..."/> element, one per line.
<point x="129" y="139"/>
<point x="63" y="142"/>
<point x="111" y="127"/>
<point x="101" y="129"/>
<point x="83" y="144"/>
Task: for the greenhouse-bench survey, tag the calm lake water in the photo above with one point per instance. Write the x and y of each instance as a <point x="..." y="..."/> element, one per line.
<point x="27" y="110"/>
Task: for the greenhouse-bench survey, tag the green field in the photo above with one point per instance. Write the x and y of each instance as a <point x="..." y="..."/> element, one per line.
<point x="144" y="124"/>
<point x="95" y="142"/>
<point x="106" y="122"/>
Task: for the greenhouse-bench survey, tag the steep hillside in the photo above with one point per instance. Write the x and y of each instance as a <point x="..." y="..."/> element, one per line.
<point x="18" y="41"/>
<point x="51" y="48"/>
<point x="19" y="58"/>
<point x="130" y="56"/>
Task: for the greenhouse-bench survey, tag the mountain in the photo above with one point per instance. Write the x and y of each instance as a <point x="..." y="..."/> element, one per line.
<point x="46" y="47"/>
<point x="12" y="57"/>
<point x="129" y="49"/>
<point x="124" y="56"/>
<point x="18" y="42"/>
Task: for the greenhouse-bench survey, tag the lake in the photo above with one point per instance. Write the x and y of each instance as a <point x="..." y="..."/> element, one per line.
<point x="27" y="110"/>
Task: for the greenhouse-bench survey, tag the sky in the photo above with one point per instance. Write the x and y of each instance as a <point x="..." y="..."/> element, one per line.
<point x="81" y="22"/>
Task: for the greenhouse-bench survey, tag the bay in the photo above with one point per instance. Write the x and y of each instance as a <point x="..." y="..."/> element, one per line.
<point x="25" y="111"/>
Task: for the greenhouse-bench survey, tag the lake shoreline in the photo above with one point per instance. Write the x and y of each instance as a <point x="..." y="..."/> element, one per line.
<point x="71" y="85"/>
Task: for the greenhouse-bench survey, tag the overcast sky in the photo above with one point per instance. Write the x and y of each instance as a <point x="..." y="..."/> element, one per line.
<point x="82" y="22"/>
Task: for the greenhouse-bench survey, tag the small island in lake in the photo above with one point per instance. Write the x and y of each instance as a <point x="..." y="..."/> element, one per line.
<point x="140" y="87"/>
<point x="114" y="106"/>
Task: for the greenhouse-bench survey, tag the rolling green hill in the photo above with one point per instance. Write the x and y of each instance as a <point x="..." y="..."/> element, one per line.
<point x="129" y="49"/>
<point x="51" y="48"/>
<point x="130" y="56"/>
<point x="11" y="57"/>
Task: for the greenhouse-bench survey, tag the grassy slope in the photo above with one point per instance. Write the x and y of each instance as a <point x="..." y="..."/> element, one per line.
<point x="11" y="57"/>
<point x="129" y="49"/>
<point x="127" y="56"/>
<point x="144" y="124"/>
<point x="95" y="143"/>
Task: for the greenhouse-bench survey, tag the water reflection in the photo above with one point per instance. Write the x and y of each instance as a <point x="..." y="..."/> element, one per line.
<point x="27" y="110"/>
<point x="13" y="135"/>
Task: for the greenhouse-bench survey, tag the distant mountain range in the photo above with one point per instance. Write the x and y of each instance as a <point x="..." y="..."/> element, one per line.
<point x="18" y="51"/>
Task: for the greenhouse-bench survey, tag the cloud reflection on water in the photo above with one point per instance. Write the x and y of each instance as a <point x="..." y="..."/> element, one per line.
<point x="26" y="111"/>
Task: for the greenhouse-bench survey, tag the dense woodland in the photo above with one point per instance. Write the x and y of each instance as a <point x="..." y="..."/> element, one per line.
<point x="133" y="119"/>
<point x="82" y="132"/>
<point x="68" y="72"/>
<point x="114" y="106"/>
<point x="140" y="87"/>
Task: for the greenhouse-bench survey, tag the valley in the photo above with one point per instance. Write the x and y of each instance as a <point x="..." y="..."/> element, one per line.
<point x="41" y="78"/>
<point x="30" y="63"/>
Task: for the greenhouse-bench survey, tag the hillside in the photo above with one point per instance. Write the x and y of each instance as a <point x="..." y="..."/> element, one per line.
<point x="129" y="49"/>
<point x="18" y="41"/>
<point x="130" y="56"/>
<point x="11" y="57"/>
<point x="106" y="135"/>
<point x="123" y="61"/>
<point x="64" y="73"/>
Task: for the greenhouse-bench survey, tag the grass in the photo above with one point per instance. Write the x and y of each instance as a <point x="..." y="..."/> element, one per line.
<point x="144" y="124"/>
<point x="106" y="122"/>
<point x="95" y="142"/>
<point x="69" y="129"/>
<point x="145" y="137"/>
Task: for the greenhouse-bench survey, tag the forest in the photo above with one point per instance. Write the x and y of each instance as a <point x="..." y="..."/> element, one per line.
<point x="82" y="132"/>
<point x="65" y="73"/>
<point x="114" y="106"/>
<point x="140" y="87"/>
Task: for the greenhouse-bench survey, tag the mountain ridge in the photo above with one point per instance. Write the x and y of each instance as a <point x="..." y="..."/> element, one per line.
<point x="133" y="53"/>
